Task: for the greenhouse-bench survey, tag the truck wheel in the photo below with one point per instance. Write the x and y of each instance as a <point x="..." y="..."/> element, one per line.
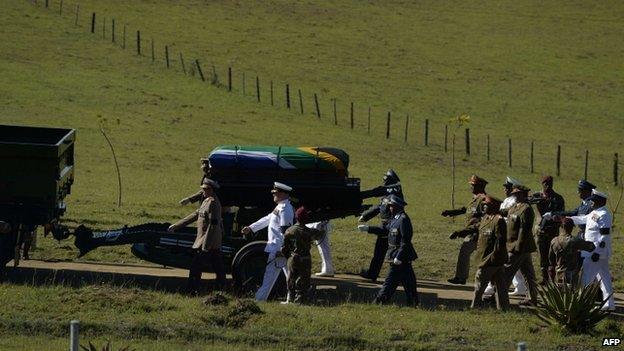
<point x="248" y="270"/>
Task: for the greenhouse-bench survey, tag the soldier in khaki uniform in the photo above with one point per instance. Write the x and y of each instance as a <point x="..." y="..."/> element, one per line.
<point x="564" y="255"/>
<point x="473" y="211"/>
<point x="546" y="201"/>
<point x="491" y="255"/>
<point x="207" y="244"/>
<point x="521" y="243"/>
<point x="297" y="243"/>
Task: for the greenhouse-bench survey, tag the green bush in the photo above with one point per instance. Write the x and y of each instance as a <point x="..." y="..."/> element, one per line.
<point x="574" y="310"/>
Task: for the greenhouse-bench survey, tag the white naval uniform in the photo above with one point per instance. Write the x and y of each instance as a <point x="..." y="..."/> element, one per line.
<point x="597" y="219"/>
<point x="327" y="265"/>
<point x="282" y="216"/>
<point x="518" y="279"/>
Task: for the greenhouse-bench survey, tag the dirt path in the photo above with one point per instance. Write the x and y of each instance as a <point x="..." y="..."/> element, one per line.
<point x="340" y="288"/>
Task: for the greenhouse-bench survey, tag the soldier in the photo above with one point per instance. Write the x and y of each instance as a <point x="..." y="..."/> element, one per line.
<point x="207" y="245"/>
<point x="491" y="254"/>
<point x="546" y="201"/>
<point x="297" y="242"/>
<point x="564" y="253"/>
<point x="280" y="219"/>
<point x="598" y="230"/>
<point x="473" y="211"/>
<point x="391" y="185"/>
<point x="400" y="253"/>
<point x="520" y="242"/>
<point x="585" y="191"/>
<point x="322" y="243"/>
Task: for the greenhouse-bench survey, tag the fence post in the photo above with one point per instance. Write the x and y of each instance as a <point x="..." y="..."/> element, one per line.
<point x="182" y="63"/>
<point x="77" y="12"/>
<point x="467" y="141"/>
<point x="167" y="55"/>
<point x="300" y="101"/>
<point x="487" y="148"/>
<point x="113" y="30"/>
<point x="103" y="27"/>
<point x="335" y="113"/>
<point x="532" y="168"/>
<point x="244" y="83"/>
<point x="427" y="132"/>
<point x="406" y="127"/>
<point x="271" y="87"/>
<point x="388" y="126"/>
<point x="287" y="96"/>
<point x="229" y="78"/>
<point x="153" y="56"/>
<point x="46" y="3"/>
<point x="558" y="160"/>
<point x="201" y="74"/>
<point x="446" y="138"/>
<point x="258" y="88"/>
<point x="615" y="169"/>
<point x="318" y="110"/>
<point x="351" y="114"/>
<point x="61" y="8"/>
<point x="522" y="346"/>
<point x="123" y="42"/>
<point x="509" y="152"/>
<point x="369" y="117"/>
<point x="139" y="42"/>
<point x="586" y="163"/>
<point x="74" y="335"/>
<point x="93" y="23"/>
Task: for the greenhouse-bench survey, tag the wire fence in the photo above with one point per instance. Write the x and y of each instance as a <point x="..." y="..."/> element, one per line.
<point x="555" y="159"/>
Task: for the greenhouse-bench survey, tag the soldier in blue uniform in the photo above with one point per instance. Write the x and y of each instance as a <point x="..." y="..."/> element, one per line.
<point x="585" y="191"/>
<point x="400" y="253"/>
<point x="391" y="186"/>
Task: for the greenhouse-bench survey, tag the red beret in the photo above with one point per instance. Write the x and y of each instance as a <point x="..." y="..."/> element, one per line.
<point x="547" y="179"/>
<point x="302" y="215"/>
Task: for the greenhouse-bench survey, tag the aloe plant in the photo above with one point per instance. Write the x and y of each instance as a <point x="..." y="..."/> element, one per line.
<point x="575" y="310"/>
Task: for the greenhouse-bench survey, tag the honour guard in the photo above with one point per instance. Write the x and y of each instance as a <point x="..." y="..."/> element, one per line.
<point x="564" y="254"/>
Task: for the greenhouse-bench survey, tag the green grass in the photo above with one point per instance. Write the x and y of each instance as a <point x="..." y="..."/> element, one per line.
<point x="34" y="317"/>
<point x="161" y="122"/>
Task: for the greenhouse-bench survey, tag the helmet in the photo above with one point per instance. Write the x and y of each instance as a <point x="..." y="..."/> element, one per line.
<point x="391" y="177"/>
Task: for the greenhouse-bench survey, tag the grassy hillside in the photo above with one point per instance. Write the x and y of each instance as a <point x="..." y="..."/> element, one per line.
<point x="161" y="122"/>
<point x="146" y="320"/>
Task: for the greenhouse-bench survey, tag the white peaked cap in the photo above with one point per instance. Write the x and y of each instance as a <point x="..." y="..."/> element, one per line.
<point x="282" y="186"/>
<point x="599" y="194"/>
<point x="512" y="181"/>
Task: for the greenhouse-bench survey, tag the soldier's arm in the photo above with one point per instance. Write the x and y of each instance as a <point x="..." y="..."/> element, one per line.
<point x="464" y="232"/>
<point x="192" y="217"/>
<point x="211" y="219"/>
<point x="192" y="198"/>
<point x="501" y="239"/>
<point x="579" y="219"/>
<point x="563" y="213"/>
<point x="288" y="239"/>
<point x="375" y="192"/>
<point x="526" y="228"/>
<point x="406" y="239"/>
<point x="453" y="213"/>
<point x="583" y="245"/>
<point x="369" y="214"/>
<point x="260" y="224"/>
<point x="552" y="256"/>
<point x="377" y="230"/>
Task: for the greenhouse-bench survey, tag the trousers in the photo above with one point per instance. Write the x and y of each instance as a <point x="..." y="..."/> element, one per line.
<point x="299" y="271"/>
<point x="468" y="246"/>
<point x="599" y="271"/>
<point x="200" y="260"/>
<point x="524" y="263"/>
<point x="271" y="273"/>
<point x="497" y="276"/>
<point x="327" y="264"/>
<point x="399" y="274"/>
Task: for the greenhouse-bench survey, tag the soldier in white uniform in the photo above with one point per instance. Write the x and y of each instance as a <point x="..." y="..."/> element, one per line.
<point x="598" y="231"/>
<point x="327" y="265"/>
<point x="277" y="222"/>
<point x="510" y="200"/>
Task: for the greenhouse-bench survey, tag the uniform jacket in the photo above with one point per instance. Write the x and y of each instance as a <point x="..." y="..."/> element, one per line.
<point x="474" y="210"/>
<point x="584" y="208"/>
<point x="282" y="216"/>
<point x="597" y="230"/>
<point x="298" y="240"/>
<point x="520" y="229"/>
<point x="209" y="224"/>
<point x="491" y="244"/>
<point x="563" y="254"/>
<point x="400" y="232"/>
<point x="552" y="202"/>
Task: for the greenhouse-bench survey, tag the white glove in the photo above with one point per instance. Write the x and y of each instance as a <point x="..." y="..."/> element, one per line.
<point x="396" y="261"/>
<point x="547" y="216"/>
<point x="363" y="228"/>
<point x="171" y="228"/>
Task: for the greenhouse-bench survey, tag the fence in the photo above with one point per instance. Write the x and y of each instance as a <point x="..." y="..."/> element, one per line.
<point x="357" y="111"/>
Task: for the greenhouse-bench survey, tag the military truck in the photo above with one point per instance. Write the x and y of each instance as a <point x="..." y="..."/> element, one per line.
<point x="320" y="180"/>
<point x="36" y="174"/>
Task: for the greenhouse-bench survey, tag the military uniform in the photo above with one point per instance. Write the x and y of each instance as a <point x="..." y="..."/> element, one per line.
<point x="564" y="255"/>
<point x="207" y="244"/>
<point x="520" y="246"/>
<point x="400" y="255"/>
<point x="596" y="263"/>
<point x="297" y="243"/>
<point x="548" y="228"/>
<point x="8" y="238"/>
<point x="491" y="257"/>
